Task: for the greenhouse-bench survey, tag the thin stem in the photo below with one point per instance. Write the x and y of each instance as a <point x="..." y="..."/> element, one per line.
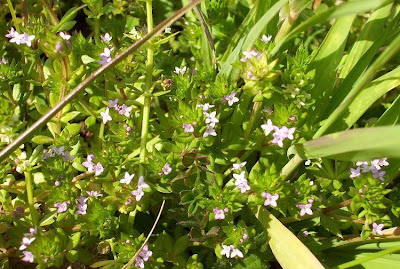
<point x="147" y="238"/>
<point x="254" y="116"/>
<point x="64" y="87"/>
<point x="53" y="16"/>
<point x="29" y="193"/>
<point x="14" y="17"/>
<point x="147" y="95"/>
<point x="100" y="71"/>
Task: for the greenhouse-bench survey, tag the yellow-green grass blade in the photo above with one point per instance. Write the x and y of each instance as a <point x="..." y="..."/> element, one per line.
<point x="288" y="250"/>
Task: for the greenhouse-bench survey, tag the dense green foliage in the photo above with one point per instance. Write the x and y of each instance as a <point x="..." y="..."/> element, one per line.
<point x="227" y="131"/>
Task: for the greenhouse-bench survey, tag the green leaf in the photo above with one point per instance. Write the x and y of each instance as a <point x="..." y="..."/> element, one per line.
<point x="66" y="19"/>
<point x="72" y="255"/>
<point x="391" y="115"/>
<point x="70" y="116"/>
<point x="74" y="240"/>
<point x="48" y="219"/>
<point x="87" y="59"/>
<point x="73" y="129"/>
<point x="102" y="263"/>
<point x="180" y="245"/>
<point x="42" y="139"/>
<point x="326" y="62"/>
<point x="289" y="251"/>
<point x="367" y="97"/>
<point x="353" y="145"/>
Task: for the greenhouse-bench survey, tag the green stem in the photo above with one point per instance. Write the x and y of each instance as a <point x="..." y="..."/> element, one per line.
<point x="147" y="95"/>
<point x="368" y="258"/>
<point x="53" y="16"/>
<point x="29" y="193"/>
<point x="254" y="116"/>
<point x="14" y="17"/>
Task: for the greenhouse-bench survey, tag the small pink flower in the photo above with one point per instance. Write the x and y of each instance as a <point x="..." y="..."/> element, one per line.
<point x="231" y="98"/>
<point x="238" y="166"/>
<point x="166" y="169"/>
<point x="269" y="127"/>
<point x="62" y="207"/>
<point x="270" y="199"/>
<point x="28" y="257"/>
<point x="209" y="131"/>
<point x="188" y="128"/>
<point x="355" y="172"/>
<point x="377" y="228"/>
<point x="127" y="178"/>
<point x="220" y="213"/>
<point x="305" y="209"/>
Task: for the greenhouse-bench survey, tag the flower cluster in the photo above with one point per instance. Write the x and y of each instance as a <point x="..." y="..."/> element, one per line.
<point x="241" y="181"/>
<point x="270" y="199"/>
<point x="143" y="256"/>
<point x="18" y="38"/>
<point x="219" y="214"/>
<point x="139" y="192"/>
<point x="231" y="251"/>
<point x="67" y="157"/>
<point x="249" y="55"/>
<point x="375" y="166"/>
<point x="26" y="241"/>
<point x="306" y="208"/>
<point x="280" y="134"/>
<point x="211" y="120"/>
<point x="97" y="168"/>
<point x="122" y="110"/>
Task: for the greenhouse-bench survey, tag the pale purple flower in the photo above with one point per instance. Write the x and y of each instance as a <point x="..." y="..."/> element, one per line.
<point x="226" y="250"/>
<point x="125" y="110"/>
<point x="32" y="231"/>
<point x="270" y="199"/>
<point x="57" y="183"/>
<point x="139" y="263"/>
<point x="58" y="151"/>
<point x="65" y="36"/>
<point x="145" y="253"/>
<point x="106" y="38"/>
<point x="236" y="252"/>
<point x="98" y="168"/>
<point x="238" y="166"/>
<point x="138" y="194"/>
<point x="305" y="209"/>
<point x="89" y="164"/>
<point x="248" y="55"/>
<point x="106" y="115"/>
<point x="62" y="207"/>
<point x="281" y="134"/>
<point x="180" y="70"/>
<point x="288" y="132"/>
<point x="241" y="182"/>
<point x="28" y="257"/>
<point x="205" y="106"/>
<point x="95" y="194"/>
<point x="377" y="174"/>
<point x="67" y="157"/>
<point x="231" y="98"/>
<point x="12" y="33"/>
<point x="377" y="228"/>
<point x="209" y="131"/>
<point x="166" y="169"/>
<point x="26" y="242"/>
<point x="27" y="39"/>
<point x="306" y="233"/>
<point x="127" y="128"/>
<point x="355" y="172"/>
<point x="211" y="118"/>
<point x="383" y="162"/>
<point x="378" y="163"/>
<point x="58" y="47"/>
<point x="269" y="127"/>
<point x="82" y="206"/>
<point x="3" y="60"/>
<point x="113" y="103"/>
<point x="127" y="178"/>
<point x="142" y="184"/>
<point x="188" y="128"/>
<point x="311" y="183"/>
<point x="220" y="213"/>
<point x="266" y="39"/>
<point x="361" y="163"/>
<point x="105" y="56"/>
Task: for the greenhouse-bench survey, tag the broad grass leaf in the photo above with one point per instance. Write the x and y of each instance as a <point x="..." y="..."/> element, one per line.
<point x="289" y="251"/>
<point x="391" y="115"/>
<point x="367" y="97"/>
<point x="354" y="145"/>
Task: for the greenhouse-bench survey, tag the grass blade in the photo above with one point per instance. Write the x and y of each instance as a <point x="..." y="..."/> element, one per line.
<point x="367" y="97"/>
<point x="51" y="113"/>
<point x="354" y="145"/>
<point x="289" y="251"/>
<point x="391" y="115"/>
<point x="345" y="9"/>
